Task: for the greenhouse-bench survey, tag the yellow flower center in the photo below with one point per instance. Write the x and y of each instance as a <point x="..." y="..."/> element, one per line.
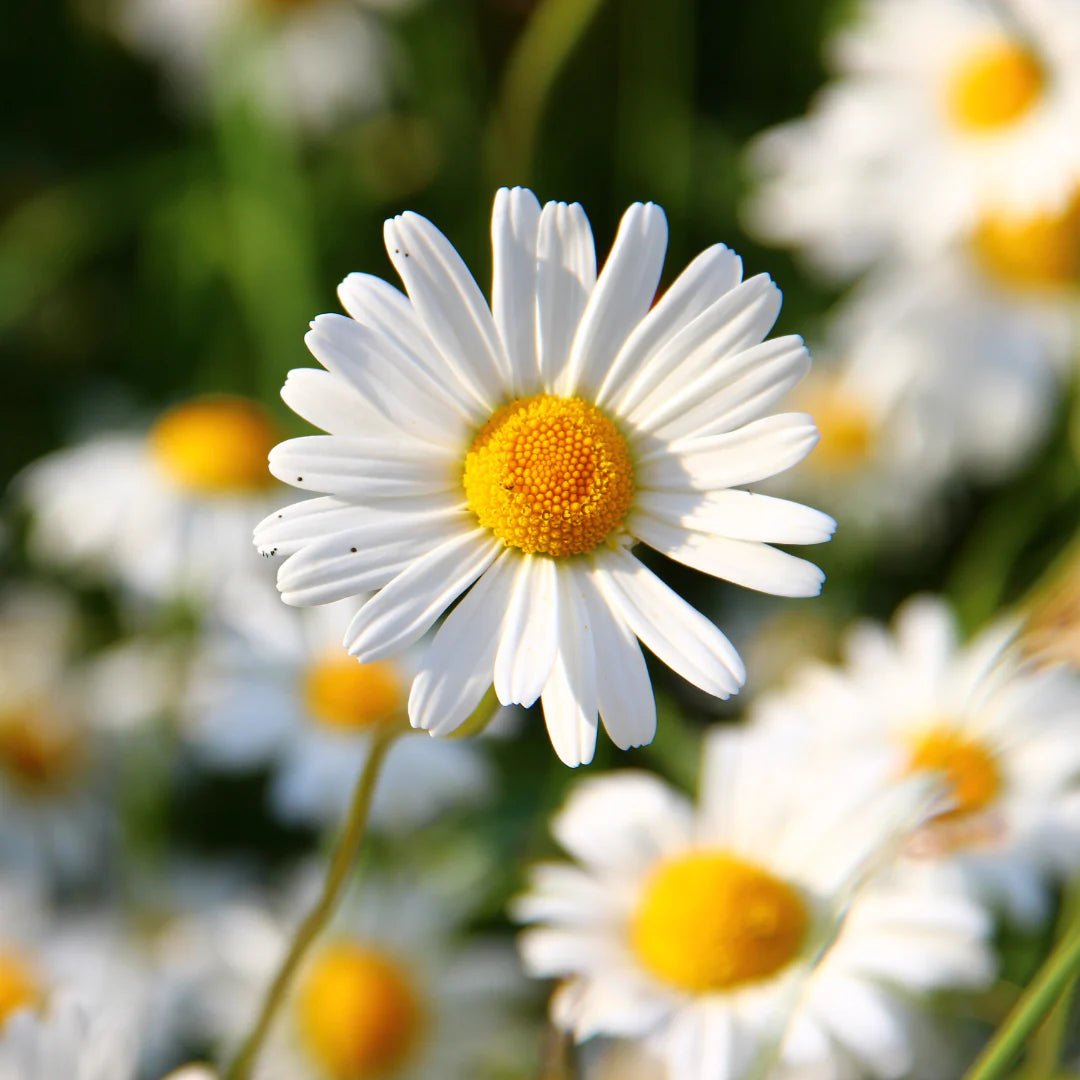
<point x="359" y="1015"/>
<point x="19" y="985"/>
<point x="712" y="921"/>
<point x="215" y="445"/>
<point x="343" y="694"/>
<point x="968" y="767"/>
<point x="38" y="753"/>
<point x="549" y="475"/>
<point x="1037" y="251"/>
<point x="994" y="86"/>
<point x="845" y="424"/>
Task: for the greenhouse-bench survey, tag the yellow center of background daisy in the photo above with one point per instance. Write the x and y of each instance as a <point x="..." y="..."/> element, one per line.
<point x="1038" y="251"/>
<point x="549" y="475"/>
<point x="846" y="427"/>
<point x="994" y="86"/>
<point x="712" y="921"/>
<point x="216" y="445"/>
<point x="343" y="694"/>
<point x="969" y="769"/>
<point x="358" y="1012"/>
<point x="37" y="753"/>
<point x="19" y="986"/>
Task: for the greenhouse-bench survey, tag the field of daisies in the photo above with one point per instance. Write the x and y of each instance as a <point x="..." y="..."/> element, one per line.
<point x="540" y="540"/>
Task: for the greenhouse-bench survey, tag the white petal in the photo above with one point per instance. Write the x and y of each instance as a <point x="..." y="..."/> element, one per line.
<point x="624" y="292"/>
<point x="455" y="672"/>
<point x="742" y="515"/>
<point x="751" y="453"/>
<point x="450" y="305"/>
<point x="329" y="403"/>
<point x="357" y="468"/>
<point x="668" y="626"/>
<point x="363" y="558"/>
<point x="392" y="380"/>
<point x="745" y="562"/>
<point x="624" y="689"/>
<point x="715" y="271"/>
<point x="565" y="277"/>
<point x="515" y="224"/>
<point x="733" y="392"/>
<point x="530" y="636"/>
<point x="400" y="613"/>
<point x="739" y="319"/>
<point x="569" y="697"/>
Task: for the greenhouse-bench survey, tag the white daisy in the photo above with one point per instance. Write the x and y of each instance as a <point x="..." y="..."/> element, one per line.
<point x="696" y="930"/>
<point x="308" y="62"/>
<point x="934" y="384"/>
<point x="293" y="700"/>
<point x="56" y="809"/>
<point x="1004" y="734"/>
<point x="166" y="511"/>
<point x="513" y="456"/>
<point x="946" y="110"/>
<point x="386" y="992"/>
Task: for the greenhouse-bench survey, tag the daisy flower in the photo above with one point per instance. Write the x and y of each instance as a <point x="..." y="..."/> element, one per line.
<point x="306" y="62"/>
<point x="56" y="812"/>
<point x="164" y="511"/>
<point x="1003" y="733"/>
<point x="293" y="700"/>
<point x="696" y="930"/>
<point x="387" y="992"/>
<point x="512" y="456"/>
<point x="945" y="111"/>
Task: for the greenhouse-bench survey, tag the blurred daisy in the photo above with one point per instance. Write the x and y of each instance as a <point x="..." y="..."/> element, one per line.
<point x="1004" y="735"/>
<point x="513" y="456"/>
<point x="946" y="111"/>
<point x="56" y="815"/>
<point x="295" y="701"/>
<point x="934" y="384"/>
<point x="385" y="993"/>
<point x="307" y="62"/>
<point x="164" y="512"/>
<point x="696" y="930"/>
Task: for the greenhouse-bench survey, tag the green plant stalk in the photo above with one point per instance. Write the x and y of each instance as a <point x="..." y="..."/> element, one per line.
<point x="1042" y="994"/>
<point x="315" y="921"/>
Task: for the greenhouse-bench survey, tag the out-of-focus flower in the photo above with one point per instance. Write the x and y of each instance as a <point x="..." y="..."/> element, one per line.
<point x="934" y="383"/>
<point x="296" y="701"/>
<point x="1051" y="633"/>
<point x="1003" y="734"/>
<point x="308" y="62"/>
<point x="697" y="930"/>
<point x="387" y="992"/>
<point x="513" y="456"/>
<point x="949" y="115"/>
<point x="56" y="814"/>
<point x="165" y="512"/>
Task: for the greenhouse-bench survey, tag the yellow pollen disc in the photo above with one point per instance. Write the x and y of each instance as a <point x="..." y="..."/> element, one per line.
<point x="1039" y="251"/>
<point x="343" y="694"/>
<point x="19" y="985"/>
<point x="969" y="768"/>
<point x="712" y="921"/>
<point x="36" y="752"/>
<point x="549" y="475"/>
<point x="846" y="427"/>
<point x="994" y="86"/>
<point x="358" y="1012"/>
<point x="215" y="445"/>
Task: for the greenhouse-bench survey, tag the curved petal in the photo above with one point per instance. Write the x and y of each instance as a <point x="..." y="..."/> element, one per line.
<point x="323" y="399"/>
<point x="515" y="224"/>
<point x="530" y="635"/>
<point x="624" y="292"/>
<point x="668" y="626"/>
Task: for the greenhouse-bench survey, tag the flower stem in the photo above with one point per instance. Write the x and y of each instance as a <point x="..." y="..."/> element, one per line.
<point x="1050" y="982"/>
<point x="316" y="919"/>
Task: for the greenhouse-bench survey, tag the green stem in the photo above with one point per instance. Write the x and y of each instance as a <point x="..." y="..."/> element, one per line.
<point x="337" y="875"/>
<point x="1044" y="991"/>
